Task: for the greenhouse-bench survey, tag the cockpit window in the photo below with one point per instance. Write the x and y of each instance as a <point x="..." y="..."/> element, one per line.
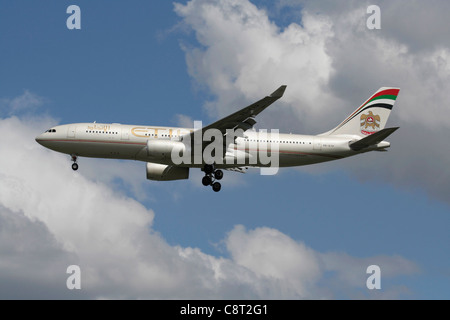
<point x="50" y="130"/>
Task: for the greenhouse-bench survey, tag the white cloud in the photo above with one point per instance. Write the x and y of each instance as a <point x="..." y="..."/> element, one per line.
<point x="118" y="174"/>
<point x="27" y="250"/>
<point x="184" y="121"/>
<point x="273" y="255"/>
<point x="331" y="63"/>
<point x="52" y="217"/>
<point x="243" y="56"/>
<point x="27" y="101"/>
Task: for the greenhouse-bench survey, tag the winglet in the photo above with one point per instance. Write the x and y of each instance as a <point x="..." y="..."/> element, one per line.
<point x="279" y="92"/>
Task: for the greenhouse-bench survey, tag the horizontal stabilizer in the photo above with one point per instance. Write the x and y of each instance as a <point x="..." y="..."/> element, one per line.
<point x="373" y="139"/>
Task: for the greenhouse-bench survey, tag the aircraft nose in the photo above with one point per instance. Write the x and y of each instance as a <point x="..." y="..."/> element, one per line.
<point x="39" y="139"/>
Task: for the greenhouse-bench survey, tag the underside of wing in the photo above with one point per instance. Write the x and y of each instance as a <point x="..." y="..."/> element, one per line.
<point x="237" y="169"/>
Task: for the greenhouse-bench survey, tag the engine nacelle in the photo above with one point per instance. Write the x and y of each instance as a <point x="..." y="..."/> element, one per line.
<point x="162" y="149"/>
<point x="163" y="172"/>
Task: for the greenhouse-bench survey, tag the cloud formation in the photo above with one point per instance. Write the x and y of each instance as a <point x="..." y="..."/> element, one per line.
<point x="26" y="101"/>
<point x="331" y="63"/>
<point x="52" y="217"/>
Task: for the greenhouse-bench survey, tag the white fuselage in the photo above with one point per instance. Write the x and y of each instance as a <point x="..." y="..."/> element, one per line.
<point x="119" y="141"/>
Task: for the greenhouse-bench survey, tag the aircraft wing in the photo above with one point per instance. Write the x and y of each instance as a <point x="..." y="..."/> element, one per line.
<point x="245" y="118"/>
<point x="237" y="169"/>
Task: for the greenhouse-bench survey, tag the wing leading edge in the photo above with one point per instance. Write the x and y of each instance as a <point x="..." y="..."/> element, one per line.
<point x="245" y="118"/>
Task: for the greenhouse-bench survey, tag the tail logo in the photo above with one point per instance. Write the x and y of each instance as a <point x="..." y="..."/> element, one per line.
<point x="369" y="120"/>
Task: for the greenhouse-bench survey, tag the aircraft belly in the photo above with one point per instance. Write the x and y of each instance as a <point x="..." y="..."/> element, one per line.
<point x="289" y="160"/>
<point x="108" y="150"/>
<point x="302" y="159"/>
<point x="98" y="149"/>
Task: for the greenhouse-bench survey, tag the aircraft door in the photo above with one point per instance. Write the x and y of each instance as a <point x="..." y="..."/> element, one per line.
<point x="71" y="132"/>
<point x="317" y="143"/>
<point x="125" y="134"/>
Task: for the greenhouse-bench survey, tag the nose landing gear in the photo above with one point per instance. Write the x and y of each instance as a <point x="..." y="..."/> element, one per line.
<point x="75" y="164"/>
<point x="211" y="175"/>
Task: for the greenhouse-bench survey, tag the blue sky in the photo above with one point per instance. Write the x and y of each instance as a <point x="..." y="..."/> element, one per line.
<point x="148" y="62"/>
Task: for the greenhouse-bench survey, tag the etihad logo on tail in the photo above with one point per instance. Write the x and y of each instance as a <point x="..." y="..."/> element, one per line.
<point x="368" y="121"/>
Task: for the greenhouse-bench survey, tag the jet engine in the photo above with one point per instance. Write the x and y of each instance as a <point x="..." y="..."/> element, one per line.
<point x="162" y="172"/>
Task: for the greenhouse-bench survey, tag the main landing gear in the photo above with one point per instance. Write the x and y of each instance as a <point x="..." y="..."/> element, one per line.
<point x="211" y="175"/>
<point x="75" y="164"/>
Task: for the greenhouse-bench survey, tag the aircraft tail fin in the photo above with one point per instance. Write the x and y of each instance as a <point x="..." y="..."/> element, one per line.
<point x="370" y="117"/>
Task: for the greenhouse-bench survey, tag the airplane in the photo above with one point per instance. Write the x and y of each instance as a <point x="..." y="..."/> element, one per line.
<point x="362" y="131"/>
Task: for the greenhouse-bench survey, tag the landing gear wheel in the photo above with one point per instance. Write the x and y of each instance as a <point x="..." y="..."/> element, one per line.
<point x="216" y="186"/>
<point x="206" y="181"/>
<point x="209" y="168"/>
<point x="218" y="174"/>
<point x="74" y="165"/>
<point x="211" y="175"/>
